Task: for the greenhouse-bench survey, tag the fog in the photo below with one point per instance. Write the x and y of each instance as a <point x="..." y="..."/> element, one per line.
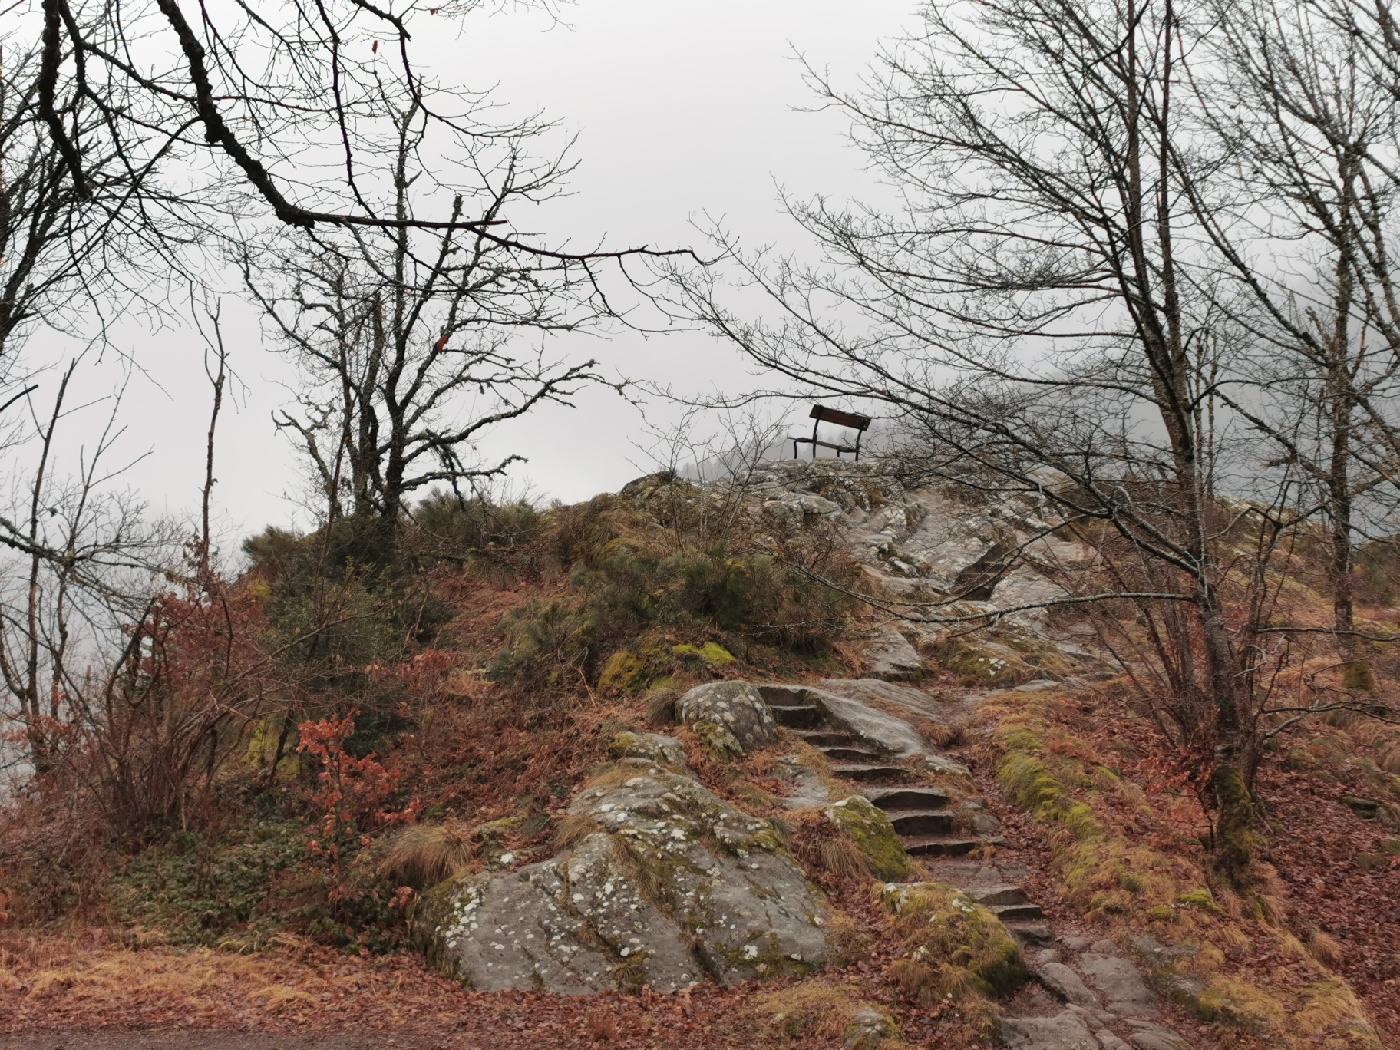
<point x="680" y="109"/>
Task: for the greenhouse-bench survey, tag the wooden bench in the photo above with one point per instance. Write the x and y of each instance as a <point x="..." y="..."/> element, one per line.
<point x="821" y="414"/>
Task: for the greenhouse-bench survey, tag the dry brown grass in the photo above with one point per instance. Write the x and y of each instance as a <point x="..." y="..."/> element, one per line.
<point x="1326" y="949"/>
<point x="807" y="1014"/>
<point x="422" y="855"/>
<point x="826" y="852"/>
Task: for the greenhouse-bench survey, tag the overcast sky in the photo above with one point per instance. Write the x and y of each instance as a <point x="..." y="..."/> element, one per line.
<point x="680" y="106"/>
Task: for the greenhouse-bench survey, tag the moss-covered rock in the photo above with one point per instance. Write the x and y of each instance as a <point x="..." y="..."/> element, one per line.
<point x="711" y="654"/>
<point x="653" y="663"/>
<point x="660" y="750"/>
<point x="873" y="834"/>
<point x="953" y="947"/>
<point x="730" y="717"/>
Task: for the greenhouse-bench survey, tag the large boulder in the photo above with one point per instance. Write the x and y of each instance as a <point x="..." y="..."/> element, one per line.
<point x="730" y="717"/>
<point x="666" y="887"/>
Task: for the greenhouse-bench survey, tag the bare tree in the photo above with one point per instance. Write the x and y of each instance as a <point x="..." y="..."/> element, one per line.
<point x="241" y="94"/>
<point x="62" y="254"/>
<point x="415" y="343"/>
<point x="82" y="559"/>
<point x="1045" y="300"/>
<point x="1309" y="135"/>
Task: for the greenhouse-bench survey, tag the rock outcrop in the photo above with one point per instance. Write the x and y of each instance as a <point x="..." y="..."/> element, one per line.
<point x="730" y="717"/>
<point x="665" y="886"/>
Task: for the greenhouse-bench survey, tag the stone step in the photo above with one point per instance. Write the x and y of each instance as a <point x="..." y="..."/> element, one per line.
<point x="1013" y="913"/>
<point x="840" y="753"/>
<point x="999" y="896"/>
<point x="1031" y="932"/>
<point x="916" y="822"/>
<point x="824" y="737"/>
<point x="904" y="799"/>
<point x="775" y="695"/>
<point x="799" y="716"/>
<point x="944" y="845"/>
<point x="867" y="771"/>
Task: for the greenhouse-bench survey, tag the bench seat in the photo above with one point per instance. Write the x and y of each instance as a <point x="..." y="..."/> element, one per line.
<point x="822" y="414"/>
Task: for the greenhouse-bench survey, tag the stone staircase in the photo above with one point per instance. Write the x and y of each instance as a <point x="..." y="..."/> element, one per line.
<point x="1085" y="994"/>
<point x="923" y="817"/>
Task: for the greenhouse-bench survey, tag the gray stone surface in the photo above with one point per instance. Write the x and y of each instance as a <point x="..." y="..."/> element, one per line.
<point x="799" y="508"/>
<point x="1065" y="984"/>
<point x="1155" y="1038"/>
<point x="1118" y="981"/>
<point x="807" y="789"/>
<point x="671" y="885"/>
<point x="849" y="709"/>
<point x="889" y="654"/>
<point x="515" y="931"/>
<point x="1066" y="1030"/>
<point x="731" y="717"/>
<point x="869" y="1028"/>
<point x="876" y="691"/>
<point x="663" y="751"/>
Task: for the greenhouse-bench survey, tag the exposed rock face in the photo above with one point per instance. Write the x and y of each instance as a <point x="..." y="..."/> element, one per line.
<point x="730" y="717"/>
<point x="671" y="886"/>
<point x="870" y="1028"/>
<point x="849" y="710"/>
<point x="660" y="750"/>
<point x="915" y="537"/>
<point x="890" y="655"/>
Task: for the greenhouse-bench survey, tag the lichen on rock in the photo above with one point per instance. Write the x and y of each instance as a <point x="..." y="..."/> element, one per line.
<point x="731" y="718"/>
<point x="663" y="751"/>
<point x="667" y="885"/>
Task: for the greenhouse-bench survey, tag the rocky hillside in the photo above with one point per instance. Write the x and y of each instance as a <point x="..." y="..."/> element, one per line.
<point x="693" y="766"/>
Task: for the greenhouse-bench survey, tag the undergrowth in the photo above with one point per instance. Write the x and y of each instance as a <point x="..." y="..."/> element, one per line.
<point x="1199" y="939"/>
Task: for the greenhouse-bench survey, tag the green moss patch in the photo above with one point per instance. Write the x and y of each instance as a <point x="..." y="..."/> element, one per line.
<point x="1196" y="930"/>
<point x="873" y="834"/>
<point x="953" y="950"/>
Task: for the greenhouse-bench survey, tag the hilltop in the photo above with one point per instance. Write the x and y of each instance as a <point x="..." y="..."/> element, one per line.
<point x="738" y="764"/>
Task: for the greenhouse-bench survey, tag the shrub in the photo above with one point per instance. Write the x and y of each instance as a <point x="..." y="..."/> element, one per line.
<point x="201" y="891"/>
<point x="445" y="526"/>
<point x="624" y="590"/>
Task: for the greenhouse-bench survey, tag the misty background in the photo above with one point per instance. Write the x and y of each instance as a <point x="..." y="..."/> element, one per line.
<point x="680" y="110"/>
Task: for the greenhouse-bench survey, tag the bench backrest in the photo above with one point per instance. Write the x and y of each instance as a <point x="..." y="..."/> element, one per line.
<point x="854" y="420"/>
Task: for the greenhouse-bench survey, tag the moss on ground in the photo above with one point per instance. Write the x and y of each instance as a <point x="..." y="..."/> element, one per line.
<point x="818" y="1011"/>
<point x="1199" y="929"/>
<point x="953" y="951"/>
<point x="1000" y="659"/>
